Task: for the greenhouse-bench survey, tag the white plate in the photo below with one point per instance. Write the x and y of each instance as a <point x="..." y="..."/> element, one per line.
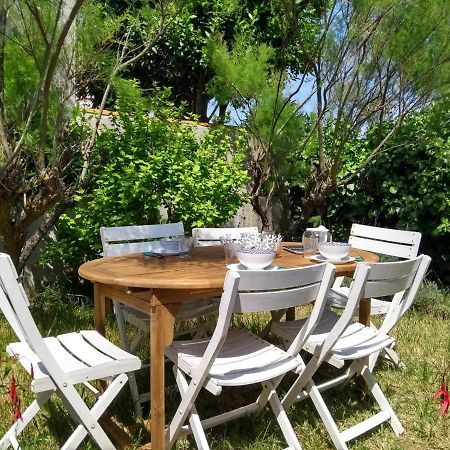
<point x="239" y="266"/>
<point x="344" y="260"/>
<point x="163" y="252"/>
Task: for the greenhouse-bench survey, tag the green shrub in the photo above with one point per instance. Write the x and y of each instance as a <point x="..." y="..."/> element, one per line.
<point x="142" y="164"/>
<point x="406" y="187"/>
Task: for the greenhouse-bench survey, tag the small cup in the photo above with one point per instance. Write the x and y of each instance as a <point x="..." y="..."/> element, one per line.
<point x="231" y="249"/>
<point x="185" y="246"/>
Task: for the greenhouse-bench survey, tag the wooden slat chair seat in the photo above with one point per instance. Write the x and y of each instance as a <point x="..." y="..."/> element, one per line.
<point x="337" y="339"/>
<point x="86" y="356"/>
<point x="138" y="239"/>
<point x="58" y="363"/>
<point x="237" y="357"/>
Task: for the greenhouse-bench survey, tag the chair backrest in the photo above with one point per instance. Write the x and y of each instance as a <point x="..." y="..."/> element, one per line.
<point x="386" y="241"/>
<point x="136" y="238"/>
<point x="211" y="236"/>
<point x="262" y="290"/>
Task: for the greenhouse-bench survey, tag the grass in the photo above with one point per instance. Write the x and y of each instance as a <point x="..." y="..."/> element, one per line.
<point x="423" y="342"/>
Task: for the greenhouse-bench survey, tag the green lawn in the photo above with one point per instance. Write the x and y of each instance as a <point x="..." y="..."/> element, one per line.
<point x="423" y="342"/>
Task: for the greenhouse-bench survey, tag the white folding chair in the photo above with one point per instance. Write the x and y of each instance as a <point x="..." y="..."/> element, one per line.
<point x="236" y="357"/>
<point x="58" y="363"/>
<point x="385" y="241"/>
<point x="138" y="239"/>
<point x="211" y="236"/>
<point x="337" y="339"/>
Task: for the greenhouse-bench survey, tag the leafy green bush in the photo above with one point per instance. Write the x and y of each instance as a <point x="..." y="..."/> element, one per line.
<point x="142" y="164"/>
<point x="406" y="187"/>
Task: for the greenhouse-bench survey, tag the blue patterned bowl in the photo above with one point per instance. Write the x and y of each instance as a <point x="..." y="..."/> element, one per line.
<point x="256" y="258"/>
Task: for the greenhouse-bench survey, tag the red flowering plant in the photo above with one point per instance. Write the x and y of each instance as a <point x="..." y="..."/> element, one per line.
<point x="443" y="395"/>
<point x="11" y="387"/>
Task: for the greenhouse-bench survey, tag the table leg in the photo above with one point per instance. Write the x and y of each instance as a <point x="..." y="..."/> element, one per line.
<point x="99" y="309"/>
<point x="162" y="320"/>
<point x="364" y="311"/>
<point x="157" y="345"/>
<point x="290" y="314"/>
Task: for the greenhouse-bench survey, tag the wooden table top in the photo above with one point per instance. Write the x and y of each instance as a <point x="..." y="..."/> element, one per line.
<point x="205" y="270"/>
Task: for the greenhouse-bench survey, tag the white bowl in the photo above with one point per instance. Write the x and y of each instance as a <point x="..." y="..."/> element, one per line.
<point x="256" y="258"/>
<point x="334" y="250"/>
<point x="169" y="245"/>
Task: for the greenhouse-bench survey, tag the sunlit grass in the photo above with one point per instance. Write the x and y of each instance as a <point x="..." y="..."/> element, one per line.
<point x="423" y="342"/>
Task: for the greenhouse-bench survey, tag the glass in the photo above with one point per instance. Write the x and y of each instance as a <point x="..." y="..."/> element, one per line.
<point x="231" y="250"/>
<point x="310" y="241"/>
<point x="185" y="246"/>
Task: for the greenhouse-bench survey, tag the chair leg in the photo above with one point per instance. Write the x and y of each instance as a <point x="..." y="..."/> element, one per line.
<point x="183" y="411"/>
<point x="194" y="418"/>
<point x="134" y="391"/>
<point x="10" y="437"/>
<point x="282" y="418"/>
<point x="135" y="397"/>
<point x="137" y="340"/>
<point x="97" y="410"/>
<point x="392" y="355"/>
<point x="381" y="399"/>
<point x="325" y="415"/>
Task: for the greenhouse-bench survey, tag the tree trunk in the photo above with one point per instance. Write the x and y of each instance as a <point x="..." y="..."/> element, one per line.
<point x="201" y="97"/>
<point x="223" y="111"/>
<point x="12" y="232"/>
<point x="256" y="205"/>
<point x="317" y="186"/>
<point x="279" y="207"/>
<point x="3" y="14"/>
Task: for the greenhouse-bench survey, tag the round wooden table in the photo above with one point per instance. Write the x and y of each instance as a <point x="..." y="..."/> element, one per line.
<point x="158" y="286"/>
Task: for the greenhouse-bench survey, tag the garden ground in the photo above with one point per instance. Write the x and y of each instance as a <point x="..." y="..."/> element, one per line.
<point x="423" y="342"/>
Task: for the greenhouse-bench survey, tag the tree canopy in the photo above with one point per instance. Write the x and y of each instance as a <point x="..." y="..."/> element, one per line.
<point x="369" y="62"/>
<point x="178" y="59"/>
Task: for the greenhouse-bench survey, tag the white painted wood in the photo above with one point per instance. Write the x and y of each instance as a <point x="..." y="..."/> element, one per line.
<point x="410" y="240"/>
<point x="282" y="418"/>
<point x="111" y="235"/>
<point x="136" y="239"/>
<point x="194" y="419"/>
<point x="211" y="236"/>
<point x="58" y="372"/>
<point x="341" y="338"/>
<point x="259" y="280"/>
<point x="263" y="301"/>
<point x="364" y="426"/>
<point x="97" y="410"/>
<point x="384" y="241"/>
<point x="237" y="357"/>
